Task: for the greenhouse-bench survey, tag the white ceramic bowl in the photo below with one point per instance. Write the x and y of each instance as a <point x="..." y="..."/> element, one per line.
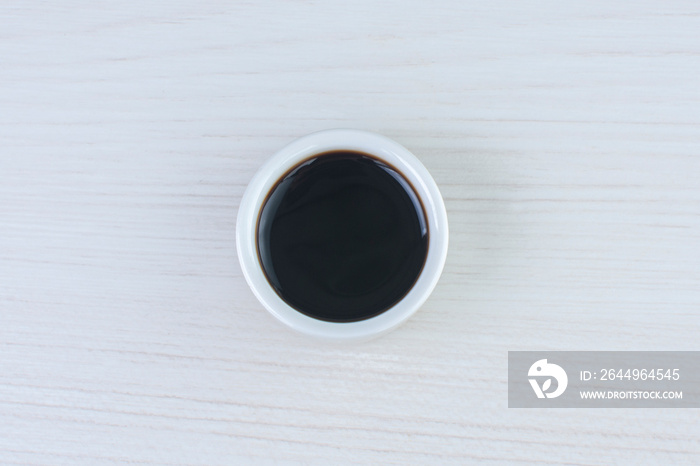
<point x="303" y="148"/>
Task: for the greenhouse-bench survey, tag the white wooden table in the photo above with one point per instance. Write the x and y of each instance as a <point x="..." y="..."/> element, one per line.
<point x="565" y="139"/>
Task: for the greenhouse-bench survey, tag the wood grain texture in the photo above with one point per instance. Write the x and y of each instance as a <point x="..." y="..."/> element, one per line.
<point x="565" y="139"/>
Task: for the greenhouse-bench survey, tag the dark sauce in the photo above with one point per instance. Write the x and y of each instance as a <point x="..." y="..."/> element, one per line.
<point x="342" y="237"/>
